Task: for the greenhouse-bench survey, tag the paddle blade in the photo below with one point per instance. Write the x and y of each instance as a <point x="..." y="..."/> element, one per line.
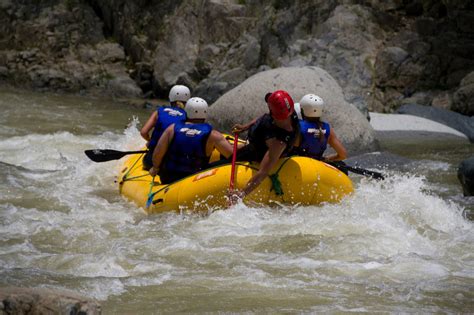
<point x="99" y="155"/>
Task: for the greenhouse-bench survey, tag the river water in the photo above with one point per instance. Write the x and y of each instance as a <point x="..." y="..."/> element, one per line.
<point x="400" y="245"/>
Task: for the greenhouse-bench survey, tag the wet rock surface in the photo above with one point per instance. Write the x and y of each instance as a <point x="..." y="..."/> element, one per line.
<point x="454" y="120"/>
<point x="382" y="53"/>
<point x="466" y="176"/>
<point x="14" y="300"/>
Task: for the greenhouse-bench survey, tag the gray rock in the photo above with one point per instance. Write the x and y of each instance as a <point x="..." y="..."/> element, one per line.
<point x="246" y="102"/>
<point x="191" y="41"/>
<point x="15" y="300"/>
<point x="417" y="48"/>
<point x="454" y="120"/>
<point x="422" y="98"/>
<point x="48" y="77"/>
<point x="466" y="176"/>
<point x="200" y="24"/>
<point x="464" y="21"/>
<point x="110" y="53"/>
<point x="251" y="54"/>
<point x="387" y="65"/>
<point x="3" y="72"/>
<point x="464" y="96"/>
<point x="211" y="90"/>
<point x="235" y="75"/>
<point x="442" y="100"/>
<point x="5" y="4"/>
<point x="124" y="87"/>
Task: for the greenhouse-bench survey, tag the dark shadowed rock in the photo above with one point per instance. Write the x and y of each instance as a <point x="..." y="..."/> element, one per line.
<point x="15" y="300"/>
<point x="387" y="66"/>
<point x="464" y="96"/>
<point x="246" y="102"/>
<point x="124" y="86"/>
<point x="188" y="31"/>
<point x="420" y="46"/>
<point x="466" y="176"/>
<point x="454" y="120"/>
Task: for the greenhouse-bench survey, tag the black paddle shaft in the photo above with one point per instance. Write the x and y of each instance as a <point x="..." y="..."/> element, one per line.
<point x="357" y="170"/>
<point x="104" y="155"/>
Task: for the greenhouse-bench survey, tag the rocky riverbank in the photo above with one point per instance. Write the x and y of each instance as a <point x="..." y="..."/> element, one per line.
<point x="14" y="300"/>
<point x="382" y="53"/>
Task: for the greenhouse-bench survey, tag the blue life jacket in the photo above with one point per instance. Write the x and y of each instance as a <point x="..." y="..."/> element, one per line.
<point x="187" y="152"/>
<point x="167" y="116"/>
<point x="311" y="145"/>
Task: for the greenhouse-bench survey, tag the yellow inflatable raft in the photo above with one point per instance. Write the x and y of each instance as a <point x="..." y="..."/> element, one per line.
<point x="294" y="180"/>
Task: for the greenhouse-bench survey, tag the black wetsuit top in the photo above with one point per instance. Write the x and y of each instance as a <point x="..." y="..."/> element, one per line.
<point x="264" y="129"/>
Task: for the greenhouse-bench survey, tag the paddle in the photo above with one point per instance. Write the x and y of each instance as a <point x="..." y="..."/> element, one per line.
<point x="104" y="155"/>
<point x="232" y="170"/>
<point x="357" y="170"/>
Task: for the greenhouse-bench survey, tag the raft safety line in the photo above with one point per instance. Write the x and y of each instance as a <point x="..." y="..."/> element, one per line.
<point x="276" y="183"/>
<point x="125" y="178"/>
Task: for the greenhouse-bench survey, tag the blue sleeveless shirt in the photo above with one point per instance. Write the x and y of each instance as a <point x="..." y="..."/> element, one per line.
<point x="167" y="116"/>
<point x="311" y="144"/>
<point x="187" y="152"/>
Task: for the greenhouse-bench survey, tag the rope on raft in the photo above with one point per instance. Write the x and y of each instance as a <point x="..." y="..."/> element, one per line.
<point x="276" y="183"/>
<point x="125" y="178"/>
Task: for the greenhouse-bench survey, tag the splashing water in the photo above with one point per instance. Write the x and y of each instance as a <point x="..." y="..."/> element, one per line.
<point x="395" y="245"/>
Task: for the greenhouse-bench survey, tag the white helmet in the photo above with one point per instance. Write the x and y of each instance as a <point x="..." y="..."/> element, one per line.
<point x="298" y="110"/>
<point x="179" y="93"/>
<point x="196" y="108"/>
<point x="312" y="105"/>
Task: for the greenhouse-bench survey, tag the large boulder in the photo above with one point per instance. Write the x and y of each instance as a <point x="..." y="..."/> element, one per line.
<point x="449" y="118"/>
<point x="246" y="102"/>
<point x="466" y="176"/>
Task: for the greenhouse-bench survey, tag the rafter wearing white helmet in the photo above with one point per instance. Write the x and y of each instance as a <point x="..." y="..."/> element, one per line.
<point x="196" y="108"/>
<point x="312" y="106"/>
<point x="179" y="93"/>
<point x="315" y="134"/>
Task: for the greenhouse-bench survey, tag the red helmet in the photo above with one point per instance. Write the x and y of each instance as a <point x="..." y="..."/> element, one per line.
<point x="281" y="104"/>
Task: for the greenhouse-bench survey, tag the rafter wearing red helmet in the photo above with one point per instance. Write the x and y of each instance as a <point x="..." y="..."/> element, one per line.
<point x="280" y="104"/>
<point x="270" y="136"/>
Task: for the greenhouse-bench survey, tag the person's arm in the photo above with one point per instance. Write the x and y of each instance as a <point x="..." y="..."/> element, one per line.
<point x="275" y="149"/>
<point x="161" y="149"/>
<point x="145" y="131"/>
<point x="218" y="141"/>
<point x="341" y="153"/>
<point x="241" y="128"/>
